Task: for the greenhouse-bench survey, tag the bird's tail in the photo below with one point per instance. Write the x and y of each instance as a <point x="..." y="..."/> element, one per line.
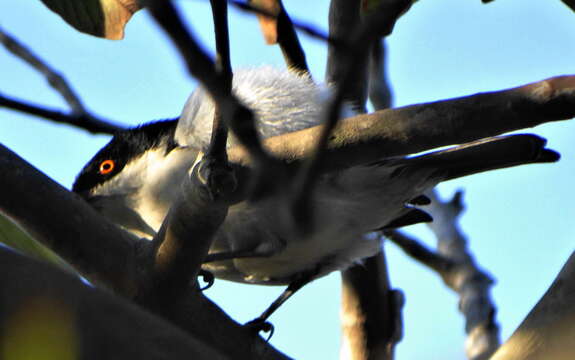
<point x="484" y="155"/>
<point x="471" y="158"/>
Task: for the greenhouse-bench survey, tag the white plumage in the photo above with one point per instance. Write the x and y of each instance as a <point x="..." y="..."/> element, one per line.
<point x="282" y="101"/>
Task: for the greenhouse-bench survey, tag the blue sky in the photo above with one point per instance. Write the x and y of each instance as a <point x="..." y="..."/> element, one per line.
<point x="519" y="221"/>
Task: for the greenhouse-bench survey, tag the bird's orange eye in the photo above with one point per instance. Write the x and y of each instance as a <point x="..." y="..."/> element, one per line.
<point x="107" y="166"/>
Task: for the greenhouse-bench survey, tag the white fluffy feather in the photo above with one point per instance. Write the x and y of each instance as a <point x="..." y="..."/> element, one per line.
<point x="282" y="101"/>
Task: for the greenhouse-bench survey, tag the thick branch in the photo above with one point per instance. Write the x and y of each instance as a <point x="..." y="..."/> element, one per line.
<point x="411" y="129"/>
<point x="66" y="224"/>
<point x="370" y="311"/>
<point x="182" y="243"/>
<point x="86" y="322"/>
<point x="570" y="3"/>
<point x="107" y="255"/>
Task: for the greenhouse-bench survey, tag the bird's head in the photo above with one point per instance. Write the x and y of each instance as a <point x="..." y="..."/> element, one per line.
<point x="136" y="176"/>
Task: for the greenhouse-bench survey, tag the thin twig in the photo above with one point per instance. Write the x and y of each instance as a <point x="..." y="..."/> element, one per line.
<point x="237" y="117"/>
<point x="219" y="139"/>
<point x="305" y="28"/>
<point x="419" y="252"/>
<point x="378" y="23"/>
<point x="55" y="80"/>
<point x="79" y="116"/>
<point x="83" y="121"/>
<point x="289" y="43"/>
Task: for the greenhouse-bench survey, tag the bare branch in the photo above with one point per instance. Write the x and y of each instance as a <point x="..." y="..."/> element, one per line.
<point x="420" y="252"/>
<point x="111" y="257"/>
<point x="181" y="245"/>
<point x="344" y="19"/>
<point x="570" y="3"/>
<point x="412" y="129"/>
<point x="55" y="80"/>
<point x="83" y="121"/>
<point x="80" y="117"/>
<point x="378" y="23"/>
<point x="87" y="322"/>
<point x="238" y="118"/>
<point x="219" y="139"/>
<point x="279" y="29"/>
<point x="380" y="93"/>
<point x="548" y="330"/>
<point x="466" y="278"/>
<point x="371" y="311"/>
<point x="305" y="28"/>
<point x="66" y="224"/>
<point x="289" y="43"/>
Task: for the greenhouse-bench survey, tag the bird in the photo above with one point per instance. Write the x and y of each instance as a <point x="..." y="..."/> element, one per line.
<point x="134" y="179"/>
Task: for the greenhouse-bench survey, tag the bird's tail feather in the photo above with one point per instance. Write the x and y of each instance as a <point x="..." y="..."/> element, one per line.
<point x="484" y="155"/>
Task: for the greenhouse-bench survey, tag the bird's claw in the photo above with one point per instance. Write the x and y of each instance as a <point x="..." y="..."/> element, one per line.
<point x="208" y="278"/>
<point x="257" y="325"/>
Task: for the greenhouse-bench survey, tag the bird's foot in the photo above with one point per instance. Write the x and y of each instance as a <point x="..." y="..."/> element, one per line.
<point x="208" y="278"/>
<point x="258" y="325"/>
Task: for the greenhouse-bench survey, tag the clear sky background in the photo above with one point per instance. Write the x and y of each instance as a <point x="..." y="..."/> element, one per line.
<point x="520" y="221"/>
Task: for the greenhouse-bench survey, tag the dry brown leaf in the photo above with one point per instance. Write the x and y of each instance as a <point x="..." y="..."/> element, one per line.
<point x="102" y="18"/>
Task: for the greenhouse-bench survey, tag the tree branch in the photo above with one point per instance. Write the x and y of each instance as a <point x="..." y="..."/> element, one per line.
<point x="548" y="330"/>
<point x="182" y="243"/>
<point x="379" y="23"/>
<point x="67" y="225"/>
<point x="371" y="311"/>
<point x="344" y="19"/>
<point x="380" y="93"/>
<point x="83" y="121"/>
<point x="420" y="252"/>
<point x="80" y="117"/>
<point x="237" y="117"/>
<point x="570" y="3"/>
<point x="305" y="28"/>
<point x="412" y="129"/>
<point x="86" y="322"/>
<point x="466" y="278"/>
<point x="279" y="29"/>
<point x="111" y="257"/>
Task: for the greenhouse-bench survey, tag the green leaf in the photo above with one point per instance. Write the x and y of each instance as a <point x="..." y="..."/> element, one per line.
<point x="102" y="18"/>
<point x="16" y="238"/>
